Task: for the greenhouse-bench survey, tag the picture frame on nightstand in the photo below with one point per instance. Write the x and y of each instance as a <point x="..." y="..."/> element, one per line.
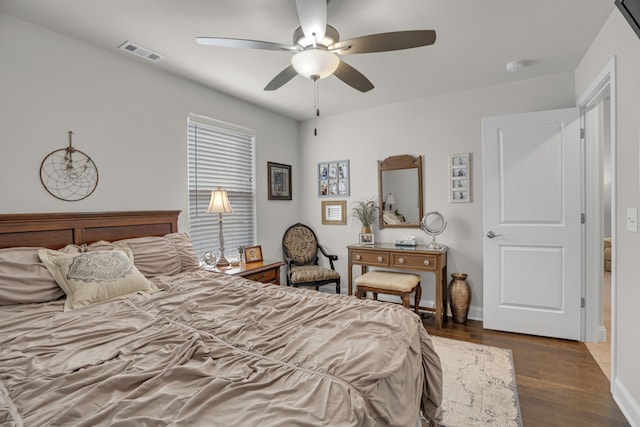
<point x="253" y="254"/>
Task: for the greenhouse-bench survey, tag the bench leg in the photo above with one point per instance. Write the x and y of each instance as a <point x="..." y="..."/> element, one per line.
<point x="405" y="300"/>
<point x="418" y="297"/>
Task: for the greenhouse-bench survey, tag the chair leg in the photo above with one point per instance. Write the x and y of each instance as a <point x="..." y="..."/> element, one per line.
<point x="418" y="297"/>
<point x="337" y="287"/>
<point x="359" y="293"/>
<point x="375" y="296"/>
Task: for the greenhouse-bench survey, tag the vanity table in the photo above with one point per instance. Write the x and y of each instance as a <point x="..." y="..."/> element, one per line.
<point x="416" y="258"/>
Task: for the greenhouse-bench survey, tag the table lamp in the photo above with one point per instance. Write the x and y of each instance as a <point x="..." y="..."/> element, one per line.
<point x="220" y="204"/>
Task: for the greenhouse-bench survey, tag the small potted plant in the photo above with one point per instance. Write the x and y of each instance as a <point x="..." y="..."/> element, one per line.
<point x="365" y="211"/>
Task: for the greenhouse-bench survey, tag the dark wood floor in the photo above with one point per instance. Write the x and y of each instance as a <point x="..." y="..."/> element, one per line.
<point x="559" y="383"/>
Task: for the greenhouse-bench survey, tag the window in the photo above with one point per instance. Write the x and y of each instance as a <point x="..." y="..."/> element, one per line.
<point x="221" y="155"/>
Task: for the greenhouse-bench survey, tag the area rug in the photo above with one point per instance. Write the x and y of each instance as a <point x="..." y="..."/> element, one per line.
<point x="479" y="384"/>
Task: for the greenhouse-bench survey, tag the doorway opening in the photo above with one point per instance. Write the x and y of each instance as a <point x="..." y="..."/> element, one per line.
<point x="598" y="106"/>
<point x="601" y="351"/>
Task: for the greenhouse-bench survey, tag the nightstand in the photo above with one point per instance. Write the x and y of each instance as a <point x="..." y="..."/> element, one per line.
<point x="261" y="271"/>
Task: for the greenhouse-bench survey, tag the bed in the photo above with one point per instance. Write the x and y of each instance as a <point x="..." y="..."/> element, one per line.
<point x="188" y="347"/>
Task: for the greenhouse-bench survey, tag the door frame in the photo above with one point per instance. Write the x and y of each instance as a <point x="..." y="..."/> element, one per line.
<point x="603" y="86"/>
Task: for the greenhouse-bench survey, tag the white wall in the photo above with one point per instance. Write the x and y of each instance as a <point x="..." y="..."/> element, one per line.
<point x="617" y="39"/>
<point x="434" y="128"/>
<point x="129" y="117"/>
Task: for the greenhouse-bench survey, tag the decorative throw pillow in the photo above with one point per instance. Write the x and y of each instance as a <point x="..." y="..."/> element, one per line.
<point x="98" y="276"/>
<point x="24" y="278"/>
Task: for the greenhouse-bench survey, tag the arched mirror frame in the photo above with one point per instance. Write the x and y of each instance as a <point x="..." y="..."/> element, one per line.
<point x="399" y="163"/>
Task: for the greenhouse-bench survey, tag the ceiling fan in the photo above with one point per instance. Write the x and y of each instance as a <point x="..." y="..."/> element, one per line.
<point x="318" y="48"/>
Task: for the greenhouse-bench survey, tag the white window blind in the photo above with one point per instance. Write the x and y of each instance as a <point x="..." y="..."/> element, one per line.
<point x="221" y="155"/>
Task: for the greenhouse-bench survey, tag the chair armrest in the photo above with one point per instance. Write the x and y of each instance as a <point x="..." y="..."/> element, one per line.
<point x="331" y="257"/>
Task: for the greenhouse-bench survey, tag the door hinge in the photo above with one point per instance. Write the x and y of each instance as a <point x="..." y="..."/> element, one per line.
<point x="582" y="133"/>
<point x="582" y="302"/>
<point x="583" y="218"/>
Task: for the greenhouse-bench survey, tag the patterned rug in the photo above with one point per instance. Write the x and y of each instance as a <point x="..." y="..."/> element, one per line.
<point x="479" y="385"/>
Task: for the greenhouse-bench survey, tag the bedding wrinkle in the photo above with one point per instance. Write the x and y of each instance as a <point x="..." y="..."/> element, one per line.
<point x="217" y="350"/>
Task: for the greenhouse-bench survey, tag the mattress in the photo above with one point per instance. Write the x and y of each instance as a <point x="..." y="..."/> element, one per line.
<point x="209" y="349"/>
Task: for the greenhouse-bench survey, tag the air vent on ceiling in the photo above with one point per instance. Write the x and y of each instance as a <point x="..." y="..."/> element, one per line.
<point x="140" y="51"/>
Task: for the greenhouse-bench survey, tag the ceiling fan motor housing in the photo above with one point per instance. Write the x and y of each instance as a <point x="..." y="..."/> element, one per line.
<point x="331" y="36"/>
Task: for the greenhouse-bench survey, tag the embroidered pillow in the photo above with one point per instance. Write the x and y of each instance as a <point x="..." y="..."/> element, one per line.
<point x="93" y="277"/>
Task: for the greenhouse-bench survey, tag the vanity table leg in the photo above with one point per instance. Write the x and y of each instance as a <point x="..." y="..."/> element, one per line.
<point x="349" y="277"/>
<point x="444" y="293"/>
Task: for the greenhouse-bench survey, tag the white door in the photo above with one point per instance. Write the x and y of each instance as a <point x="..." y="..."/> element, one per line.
<point x="532" y="223"/>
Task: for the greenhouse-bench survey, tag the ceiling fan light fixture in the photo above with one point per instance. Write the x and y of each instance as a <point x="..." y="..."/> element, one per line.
<point x="315" y="63"/>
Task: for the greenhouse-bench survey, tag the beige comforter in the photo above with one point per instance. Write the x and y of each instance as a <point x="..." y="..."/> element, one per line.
<point x="215" y="350"/>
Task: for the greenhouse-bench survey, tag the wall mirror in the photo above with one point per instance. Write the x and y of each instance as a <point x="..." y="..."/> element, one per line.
<point x="400" y="191"/>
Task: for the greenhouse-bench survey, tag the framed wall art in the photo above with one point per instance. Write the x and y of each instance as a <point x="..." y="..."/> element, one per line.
<point x="279" y="181"/>
<point x="460" y="178"/>
<point x="333" y="178"/>
<point x="334" y="212"/>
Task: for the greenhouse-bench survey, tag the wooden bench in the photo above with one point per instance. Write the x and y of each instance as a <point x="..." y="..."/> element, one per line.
<point x="393" y="283"/>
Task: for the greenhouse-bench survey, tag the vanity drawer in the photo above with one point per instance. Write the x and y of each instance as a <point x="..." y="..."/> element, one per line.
<point x="414" y="261"/>
<point x="370" y="258"/>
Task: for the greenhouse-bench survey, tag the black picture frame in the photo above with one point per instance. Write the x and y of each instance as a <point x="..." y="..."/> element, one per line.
<point x="279" y="176"/>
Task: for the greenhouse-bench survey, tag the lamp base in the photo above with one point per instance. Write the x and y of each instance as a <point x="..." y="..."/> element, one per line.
<point x="223" y="262"/>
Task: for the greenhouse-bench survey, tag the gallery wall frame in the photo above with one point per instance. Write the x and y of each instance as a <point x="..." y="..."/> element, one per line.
<point x="334" y="178"/>
<point x="460" y="178"/>
<point x="279" y="176"/>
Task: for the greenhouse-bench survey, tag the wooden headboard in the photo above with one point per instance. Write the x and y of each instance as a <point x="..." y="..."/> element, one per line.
<point x="56" y="230"/>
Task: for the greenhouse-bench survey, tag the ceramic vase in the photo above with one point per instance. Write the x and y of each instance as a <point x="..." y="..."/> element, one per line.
<point x="459" y="297"/>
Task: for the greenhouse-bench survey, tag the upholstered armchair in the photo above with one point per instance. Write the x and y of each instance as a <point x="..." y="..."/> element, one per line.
<point x="300" y="247"/>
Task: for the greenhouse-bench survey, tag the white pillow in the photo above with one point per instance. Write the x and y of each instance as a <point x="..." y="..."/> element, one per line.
<point x="93" y="277"/>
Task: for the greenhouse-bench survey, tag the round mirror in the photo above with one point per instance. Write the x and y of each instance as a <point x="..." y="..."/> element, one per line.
<point x="433" y="223"/>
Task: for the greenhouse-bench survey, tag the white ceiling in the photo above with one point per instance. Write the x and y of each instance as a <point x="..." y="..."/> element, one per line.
<point x="475" y="39"/>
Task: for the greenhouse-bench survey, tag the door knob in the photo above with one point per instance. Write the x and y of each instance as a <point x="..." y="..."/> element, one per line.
<point x="491" y="234"/>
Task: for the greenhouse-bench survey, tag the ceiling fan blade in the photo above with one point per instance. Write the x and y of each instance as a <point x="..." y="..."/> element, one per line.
<point x="283" y="77"/>
<point x="243" y="43"/>
<point x="353" y="77"/>
<point x="313" y="18"/>
<point x="385" y="42"/>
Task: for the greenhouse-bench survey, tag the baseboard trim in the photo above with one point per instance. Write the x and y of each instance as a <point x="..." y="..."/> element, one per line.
<point x="628" y="406"/>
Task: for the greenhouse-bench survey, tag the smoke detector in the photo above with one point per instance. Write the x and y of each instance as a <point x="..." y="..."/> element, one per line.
<point x="515" y="66"/>
<point x="141" y="51"/>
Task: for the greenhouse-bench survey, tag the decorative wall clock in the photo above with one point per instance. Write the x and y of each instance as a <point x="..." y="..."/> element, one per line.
<point x="69" y="174"/>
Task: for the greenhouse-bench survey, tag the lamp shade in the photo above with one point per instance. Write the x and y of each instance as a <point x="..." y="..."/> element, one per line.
<point x="219" y="202"/>
<point x="315" y="62"/>
<point x="390" y="199"/>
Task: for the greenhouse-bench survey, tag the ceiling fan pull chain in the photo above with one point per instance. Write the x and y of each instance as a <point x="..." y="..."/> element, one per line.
<point x="316" y="107"/>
